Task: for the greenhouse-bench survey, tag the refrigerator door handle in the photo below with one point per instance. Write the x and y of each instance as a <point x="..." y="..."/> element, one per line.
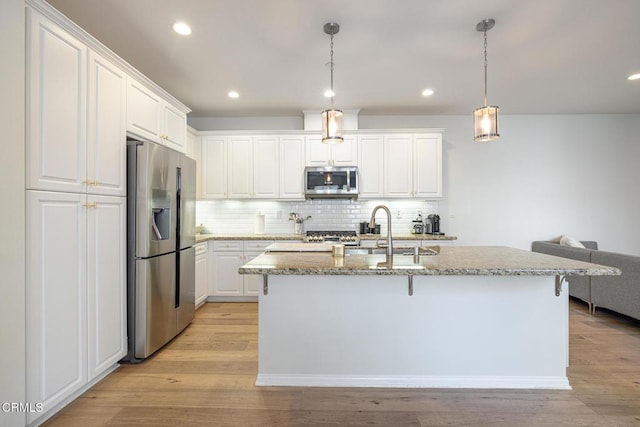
<point x="178" y="226"/>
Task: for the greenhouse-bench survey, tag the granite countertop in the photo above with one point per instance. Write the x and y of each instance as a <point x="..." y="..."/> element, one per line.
<point x="249" y="236"/>
<point x="452" y="260"/>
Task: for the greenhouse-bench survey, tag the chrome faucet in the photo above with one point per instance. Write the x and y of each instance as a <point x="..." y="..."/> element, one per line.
<point x="372" y="224"/>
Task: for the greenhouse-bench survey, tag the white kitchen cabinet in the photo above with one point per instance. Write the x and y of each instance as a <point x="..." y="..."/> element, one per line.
<point x="202" y="273"/>
<point x="265" y="166"/>
<point x="56" y="297"/>
<point x="194" y="152"/>
<point x="106" y="282"/>
<point x="227" y="257"/>
<point x="152" y="118"/>
<point x="398" y="161"/>
<point x="106" y="154"/>
<point x="427" y="165"/>
<point x="76" y="115"/>
<point x="240" y="171"/>
<point x="76" y="306"/>
<point x="292" y="162"/>
<point x="56" y="107"/>
<point x="319" y="154"/>
<point x="214" y="167"/>
<point x="371" y="166"/>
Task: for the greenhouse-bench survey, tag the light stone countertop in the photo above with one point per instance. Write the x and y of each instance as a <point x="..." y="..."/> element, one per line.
<point x="452" y="260"/>
<point x="249" y="236"/>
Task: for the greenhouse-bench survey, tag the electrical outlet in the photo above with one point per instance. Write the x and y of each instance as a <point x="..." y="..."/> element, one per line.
<point x="398" y="214"/>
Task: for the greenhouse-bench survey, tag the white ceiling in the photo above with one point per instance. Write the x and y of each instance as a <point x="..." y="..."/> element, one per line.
<point x="545" y="56"/>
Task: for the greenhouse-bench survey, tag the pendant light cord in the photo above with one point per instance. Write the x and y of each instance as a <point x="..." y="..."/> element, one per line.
<point x="485" y="67"/>
<point x="331" y="68"/>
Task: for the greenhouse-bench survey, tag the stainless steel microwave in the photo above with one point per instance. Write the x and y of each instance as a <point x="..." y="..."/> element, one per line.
<point x="330" y="182"/>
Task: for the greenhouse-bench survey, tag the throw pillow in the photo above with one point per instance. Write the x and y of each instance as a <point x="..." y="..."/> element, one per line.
<point x="570" y="241"/>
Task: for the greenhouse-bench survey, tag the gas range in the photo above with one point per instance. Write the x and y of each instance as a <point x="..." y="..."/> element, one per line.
<point x="346" y="237"/>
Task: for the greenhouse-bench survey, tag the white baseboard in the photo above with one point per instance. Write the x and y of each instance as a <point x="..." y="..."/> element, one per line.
<point x="411" y="381"/>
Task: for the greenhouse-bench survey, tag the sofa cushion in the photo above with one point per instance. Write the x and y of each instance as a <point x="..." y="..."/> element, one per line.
<point x="571" y="241"/>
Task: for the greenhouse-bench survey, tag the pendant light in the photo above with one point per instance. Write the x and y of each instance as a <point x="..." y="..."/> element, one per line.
<point x="485" y="119"/>
<point x="332" y="118"/>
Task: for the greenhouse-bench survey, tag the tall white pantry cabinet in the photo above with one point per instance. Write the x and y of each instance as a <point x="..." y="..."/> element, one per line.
<point x="76" y="214"/>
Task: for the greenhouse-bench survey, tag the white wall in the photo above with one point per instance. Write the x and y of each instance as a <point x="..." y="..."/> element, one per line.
<point x="247" y="123"/>
<point x="546" y="176"/>
<point x="12" y="241"/>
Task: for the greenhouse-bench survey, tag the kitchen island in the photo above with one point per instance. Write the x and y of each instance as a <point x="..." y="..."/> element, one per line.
<point x="476" y="317"/>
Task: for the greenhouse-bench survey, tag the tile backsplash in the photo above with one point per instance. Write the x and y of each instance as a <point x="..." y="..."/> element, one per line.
<point x="238" y="216"/>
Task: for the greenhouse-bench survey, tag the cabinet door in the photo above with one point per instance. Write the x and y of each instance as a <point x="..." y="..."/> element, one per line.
<point x="427" y="166"/>
<point x="240" y="167"/>
<point x="214" y="167"/>
<point x="252" y="282"/>
<point x="318" y="154"/>
<point x="175" y="128"/>
<point x="345" y="154"/>
<point x="225" y="278"/>
<point x="143" y="111"/>
<point x="371" y="166"/>
<point x="56" y="107"/>
<point x="106" y="137"/>
<point x="56" y="297"/>
<point x="106" y="281"/>
<point x="292" y="161"/>
<point x="193" y="151"/>
<point x="202" y="273"/>
<point x="398" y="165"/>
<point x="265" y="167"/>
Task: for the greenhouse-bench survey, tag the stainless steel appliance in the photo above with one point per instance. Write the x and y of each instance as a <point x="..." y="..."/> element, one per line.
<point x="331" y="182"/>
<point x="346" y="237"/>
<point x="160" y="246"/>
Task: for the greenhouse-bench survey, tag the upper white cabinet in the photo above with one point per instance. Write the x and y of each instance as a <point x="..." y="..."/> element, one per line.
<point x="57" y="107"/>
<point x="194" y="152"/>
<point x="151" y="117"/>
<point x="240" y="167"/>
<point x="427" y="165"/>
<point x="106" y="154"/>
<point x="371" y="166"/>
<point x="76" y="115"/>
<point x="400" y="165"/>
<point x="214" y="167"/>
<point x="292" y="161"/>
<point x="319" y="154"/>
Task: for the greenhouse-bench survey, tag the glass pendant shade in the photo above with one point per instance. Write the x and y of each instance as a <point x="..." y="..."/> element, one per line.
<point x="332" y="126"/>
<point x="485" y="124"/>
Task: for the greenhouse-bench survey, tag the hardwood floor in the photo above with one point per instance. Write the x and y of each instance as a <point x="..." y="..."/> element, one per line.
<point x="206" y="377"/>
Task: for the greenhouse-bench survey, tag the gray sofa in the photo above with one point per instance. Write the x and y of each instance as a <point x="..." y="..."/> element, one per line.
<point x="617" y="293"/>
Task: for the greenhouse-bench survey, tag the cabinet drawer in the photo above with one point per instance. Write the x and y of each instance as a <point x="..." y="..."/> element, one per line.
<point x="227" y="245"/>
<point x="256" y="245"/>
<point x="201" y="248"/>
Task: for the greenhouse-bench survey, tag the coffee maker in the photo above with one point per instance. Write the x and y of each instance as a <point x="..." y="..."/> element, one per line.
<point x="433" y="224"/>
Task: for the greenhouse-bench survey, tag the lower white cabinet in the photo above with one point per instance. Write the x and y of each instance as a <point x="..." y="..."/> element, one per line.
<point x="76" y="292"/>
<point x="202" y="273"/>
<point x="227" y="256"/>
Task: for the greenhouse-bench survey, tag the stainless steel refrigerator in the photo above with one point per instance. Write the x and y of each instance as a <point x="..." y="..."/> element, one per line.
<point x="161" y="188"/>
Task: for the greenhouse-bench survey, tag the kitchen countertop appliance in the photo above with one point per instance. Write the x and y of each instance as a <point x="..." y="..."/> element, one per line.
<point x="433" y="224"/>
<point x="345" y="237"/>
<point x="161" y="187"/>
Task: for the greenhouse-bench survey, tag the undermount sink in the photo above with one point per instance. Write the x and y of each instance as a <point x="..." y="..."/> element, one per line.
<point x="408" y="251"/>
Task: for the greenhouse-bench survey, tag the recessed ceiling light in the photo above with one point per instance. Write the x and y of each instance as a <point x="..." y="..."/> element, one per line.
<point x="329" y="93"/>
<point x="233" y="94"/>
<point x="634" y="77"/>
<point x="182" y="28"/>
<point x="427" y="92"/>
